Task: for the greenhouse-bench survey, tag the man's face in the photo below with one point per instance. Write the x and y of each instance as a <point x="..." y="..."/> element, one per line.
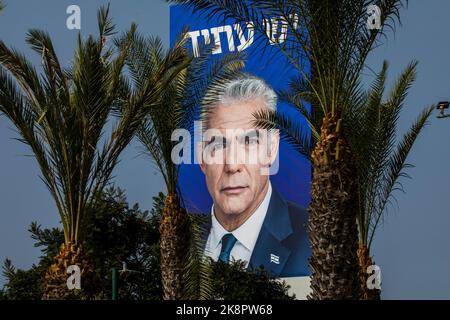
<point x="236" y="157"/>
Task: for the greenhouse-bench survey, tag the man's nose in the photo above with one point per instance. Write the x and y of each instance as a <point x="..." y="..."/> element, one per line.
<point x="234" y="159"/>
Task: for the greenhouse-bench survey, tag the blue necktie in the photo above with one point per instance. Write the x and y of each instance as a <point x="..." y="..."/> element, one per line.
<point x="228" y="242"/>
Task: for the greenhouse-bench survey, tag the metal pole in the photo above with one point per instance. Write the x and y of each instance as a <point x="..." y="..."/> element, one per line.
<point x="114" y="291"/>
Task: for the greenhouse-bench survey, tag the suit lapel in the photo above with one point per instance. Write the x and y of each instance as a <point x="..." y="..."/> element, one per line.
<point x="269" y="250"/>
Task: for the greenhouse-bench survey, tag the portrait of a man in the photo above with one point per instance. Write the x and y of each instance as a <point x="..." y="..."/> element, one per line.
<point x="249" y="219"/>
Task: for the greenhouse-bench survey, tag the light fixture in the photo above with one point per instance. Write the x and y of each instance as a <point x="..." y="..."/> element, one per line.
<point x="441" y="106"/>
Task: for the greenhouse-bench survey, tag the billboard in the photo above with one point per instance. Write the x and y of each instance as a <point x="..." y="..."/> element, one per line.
<point x="280" y="244"/>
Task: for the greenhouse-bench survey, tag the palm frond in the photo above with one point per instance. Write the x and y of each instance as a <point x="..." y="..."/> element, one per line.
<point x="150" y="140"/>
<point x="204" y="77"/>
<point x="293" y="132"/>
<point x="16" y="106"/>
<point x="151" y="67"/>
<point x="221" y="74"/>
<point x="396" y="167"/>
<point x="385" y="130"/>
<point x="105" y="25"/>
<point x="363" y="123"/>
<point x="372" y="132"/>
<point x="298" y="98"/>
<point x="25" y="75"/>
<point x="198" y="271"/>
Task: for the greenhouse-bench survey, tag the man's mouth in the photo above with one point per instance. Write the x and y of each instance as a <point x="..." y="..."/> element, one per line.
<point x="233" y="190"/>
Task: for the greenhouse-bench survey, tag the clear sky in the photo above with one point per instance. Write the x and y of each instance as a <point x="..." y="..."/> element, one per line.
<point x="412" y="247"/>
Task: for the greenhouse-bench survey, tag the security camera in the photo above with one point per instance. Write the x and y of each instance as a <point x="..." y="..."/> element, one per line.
<point x="441" y="106"/>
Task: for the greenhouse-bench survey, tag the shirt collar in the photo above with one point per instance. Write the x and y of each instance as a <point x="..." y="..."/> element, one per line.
<point x="247" y="233"/>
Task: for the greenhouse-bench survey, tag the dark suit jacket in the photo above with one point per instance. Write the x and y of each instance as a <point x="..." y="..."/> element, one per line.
<point x="282" y="246"/>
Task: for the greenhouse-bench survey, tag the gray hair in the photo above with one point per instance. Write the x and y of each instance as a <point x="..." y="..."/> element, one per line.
<point x="247" y="88"/>
<point x="244" y="88"/>
<point x="241" y="89"/>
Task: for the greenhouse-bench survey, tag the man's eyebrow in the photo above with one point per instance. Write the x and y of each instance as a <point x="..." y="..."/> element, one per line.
<point x="250" y="134"/>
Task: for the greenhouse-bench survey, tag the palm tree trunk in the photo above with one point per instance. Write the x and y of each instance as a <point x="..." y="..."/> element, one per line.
<point x="365" y="261"/>
<point x="55" y="280"/>
<point x="173" y="230"/>
<point x="332" y="216"/>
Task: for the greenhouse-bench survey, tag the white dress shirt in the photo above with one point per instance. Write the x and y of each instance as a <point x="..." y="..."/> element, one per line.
<point x="246" y="234"/>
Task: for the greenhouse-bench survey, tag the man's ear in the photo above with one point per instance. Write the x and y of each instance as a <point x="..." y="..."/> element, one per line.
<point x="274" y="145"/>
<point x="270" y="155"/>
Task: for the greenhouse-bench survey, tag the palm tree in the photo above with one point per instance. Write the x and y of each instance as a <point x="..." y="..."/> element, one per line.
<point x="380" y="161"/>
<point x="333" y="36"/>
<point x="380" y="158"/>
<point x="184" y="273"/>
<point x="62" y="116"/>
